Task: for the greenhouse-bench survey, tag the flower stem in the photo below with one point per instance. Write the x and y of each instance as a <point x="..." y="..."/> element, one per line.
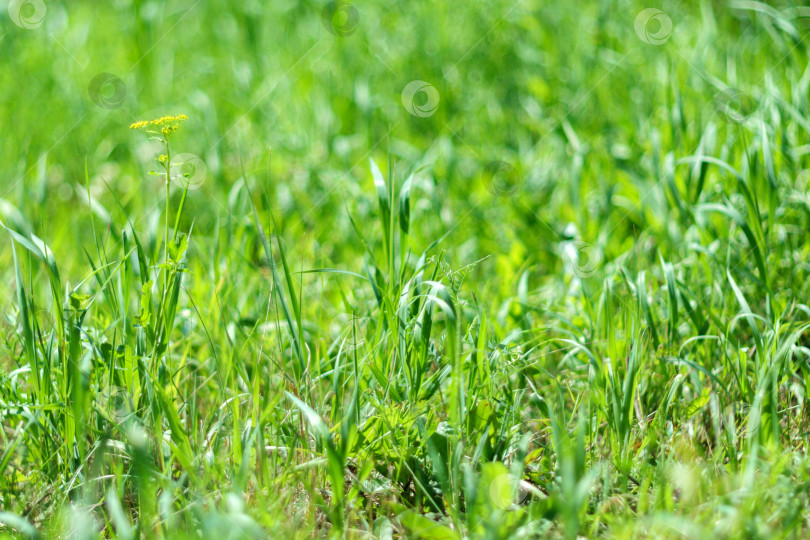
<point x="168" y="166"/>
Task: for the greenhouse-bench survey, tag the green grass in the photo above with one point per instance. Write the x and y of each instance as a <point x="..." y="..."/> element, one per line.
<point x="560" y="292"/>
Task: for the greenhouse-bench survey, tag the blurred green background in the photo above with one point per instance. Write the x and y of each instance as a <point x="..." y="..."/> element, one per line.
<point x="531" y="84"/>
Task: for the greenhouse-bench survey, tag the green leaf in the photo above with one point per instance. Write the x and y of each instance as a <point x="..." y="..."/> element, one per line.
<point x="421" y="527"/>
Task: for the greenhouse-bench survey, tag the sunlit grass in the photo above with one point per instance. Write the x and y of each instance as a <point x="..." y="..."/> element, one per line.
<point x="509" y="270"/>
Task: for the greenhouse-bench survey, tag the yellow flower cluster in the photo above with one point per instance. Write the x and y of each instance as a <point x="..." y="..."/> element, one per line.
<point x="167" y="124"/>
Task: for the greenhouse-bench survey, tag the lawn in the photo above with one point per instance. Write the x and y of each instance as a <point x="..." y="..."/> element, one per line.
<point x="504" y="269"/>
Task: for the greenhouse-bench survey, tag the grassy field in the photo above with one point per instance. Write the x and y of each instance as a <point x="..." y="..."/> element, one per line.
<point x="504" y="269"/>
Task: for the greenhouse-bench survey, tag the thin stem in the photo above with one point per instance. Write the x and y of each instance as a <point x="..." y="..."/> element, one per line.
<point x="168" y="166"/>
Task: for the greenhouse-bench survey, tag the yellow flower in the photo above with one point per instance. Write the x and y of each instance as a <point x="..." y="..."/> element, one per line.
<point x="168" y="120"/>
<point x="167" y="124"/>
